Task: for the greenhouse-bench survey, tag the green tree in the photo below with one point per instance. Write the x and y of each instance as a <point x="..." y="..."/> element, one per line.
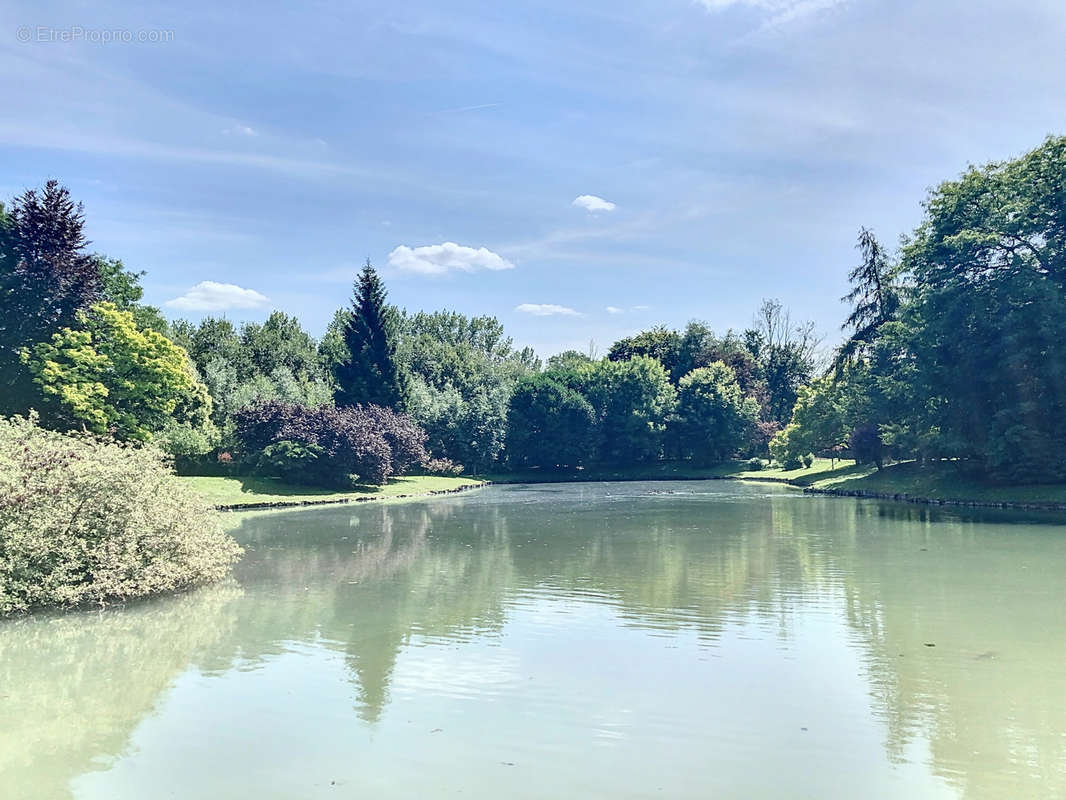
<point x="632" y="400"/>
<point x="984" y="332"/>
<point x="874" y="298"/>
<point x="369" y="373"/>
<point x="46" y="277"/>
<point x="279" y="343"/>
<point x="460" y="372"/>
<point x="660" y="343"/>
<point x="548" y="425"/>
<point x="122" y="287"/>
<point x="109" y="376"/>
<point x="568" y="360"/>
<point x="713" y="418"/>
<point x="786" y="354"/>
<point x="273" y="360"/>
<point x="820" y="423"/>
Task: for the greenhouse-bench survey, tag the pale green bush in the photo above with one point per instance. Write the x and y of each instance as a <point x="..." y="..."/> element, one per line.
<point x="83" y="520"/>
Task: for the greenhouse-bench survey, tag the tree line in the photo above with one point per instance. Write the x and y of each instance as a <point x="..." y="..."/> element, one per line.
<point x="953" y="351"/>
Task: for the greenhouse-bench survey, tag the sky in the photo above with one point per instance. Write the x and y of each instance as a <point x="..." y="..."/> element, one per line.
<point x="581" y="171"/>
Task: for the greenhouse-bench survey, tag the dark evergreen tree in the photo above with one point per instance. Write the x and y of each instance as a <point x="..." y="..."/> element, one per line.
<point x="368" y="372"/>
<point x="46" y="277"/>
<point x="874" y="298"/>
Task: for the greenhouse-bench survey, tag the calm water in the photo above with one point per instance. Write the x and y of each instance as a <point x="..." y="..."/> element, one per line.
<point x="631" y="640"/>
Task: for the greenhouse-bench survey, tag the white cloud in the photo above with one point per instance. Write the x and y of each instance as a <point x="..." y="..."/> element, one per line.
<point x="438" y="259"/>
<point x="615" y="310"/>
<point x="211" y="296"/>
<point x="546" y="310"/>
<point x="592" y="203"/>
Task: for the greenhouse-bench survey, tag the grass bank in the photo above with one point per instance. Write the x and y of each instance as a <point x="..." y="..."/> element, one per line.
<point x="937" y="482"/>
<point x="238" y="493"/>
<point x="940" y="481"/>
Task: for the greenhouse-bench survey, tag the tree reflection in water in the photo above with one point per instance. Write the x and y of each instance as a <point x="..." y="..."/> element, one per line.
<point x="369" y="583"/>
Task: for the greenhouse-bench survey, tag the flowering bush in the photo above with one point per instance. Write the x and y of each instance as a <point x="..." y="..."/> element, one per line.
<point x="83" y="520"/>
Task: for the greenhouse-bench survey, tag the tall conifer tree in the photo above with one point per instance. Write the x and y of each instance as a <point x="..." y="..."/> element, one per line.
<point x="874" y="297"/>
<point x="369" y="373"/>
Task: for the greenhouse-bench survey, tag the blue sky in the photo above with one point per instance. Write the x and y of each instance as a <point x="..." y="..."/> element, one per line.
<point x="581" y="171"/>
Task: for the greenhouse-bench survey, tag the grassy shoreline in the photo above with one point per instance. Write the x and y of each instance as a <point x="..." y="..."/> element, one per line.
<point x="246" y="493"/>
<point x="936" y="483"/>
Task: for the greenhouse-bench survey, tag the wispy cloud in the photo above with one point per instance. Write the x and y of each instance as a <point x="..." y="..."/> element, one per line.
<point x="546" y="310"/>
<point x="592" y="203"/>
<point x="212" y="296"/>
<point x="615" y="310"/>
<point x="776" y="12"/>
<point x="439" y="259"/>
<point x="464" y="109"/>
<point x="240" y="130"/>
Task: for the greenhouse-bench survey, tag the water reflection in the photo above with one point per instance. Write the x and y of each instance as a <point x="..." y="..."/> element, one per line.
<point x="955" y="619"/>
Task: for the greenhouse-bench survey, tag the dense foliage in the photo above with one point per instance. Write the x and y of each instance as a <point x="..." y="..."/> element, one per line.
<point x="953" y="350"/>
<point x="241" y="365"/>
<point x="957" y="350"/>
<point x="549" y="425"/>
<point x="84" y="520"/>
<point x="47" y="276"/>
<point x="327" y="445"/>
<point x="461" y="372"/>
<point x="109" y="376"/>
<point x="714" y="419"/>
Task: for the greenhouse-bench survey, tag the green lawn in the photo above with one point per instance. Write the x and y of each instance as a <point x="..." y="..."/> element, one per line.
<point x="800" y="477"/>
<point x="245" y="490"/>
<point x="939" y="481"/>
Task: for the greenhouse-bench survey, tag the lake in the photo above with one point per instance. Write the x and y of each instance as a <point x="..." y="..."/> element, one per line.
<point x="621" y="640"/>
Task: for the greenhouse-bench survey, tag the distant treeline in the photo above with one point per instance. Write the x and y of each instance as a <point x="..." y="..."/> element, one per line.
<point x="955" y="350"/>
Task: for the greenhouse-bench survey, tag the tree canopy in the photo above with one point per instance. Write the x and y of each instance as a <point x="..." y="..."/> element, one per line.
<point x="110" y="376"/>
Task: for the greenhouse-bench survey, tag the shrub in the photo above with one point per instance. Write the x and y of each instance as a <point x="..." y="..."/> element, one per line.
<point x="808" y="460"/>
<point x="406" y="439"/>
<point x="327" y="446"/>
<point x="442" y="466"/>
<point x="290" y="461"/>
<point x="754" y="465"/>
<point x="83" y="520"/>
<point x="189" y="445"/>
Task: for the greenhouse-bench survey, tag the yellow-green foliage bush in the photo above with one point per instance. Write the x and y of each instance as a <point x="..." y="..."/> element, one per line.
<point x="84" y="520"/>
